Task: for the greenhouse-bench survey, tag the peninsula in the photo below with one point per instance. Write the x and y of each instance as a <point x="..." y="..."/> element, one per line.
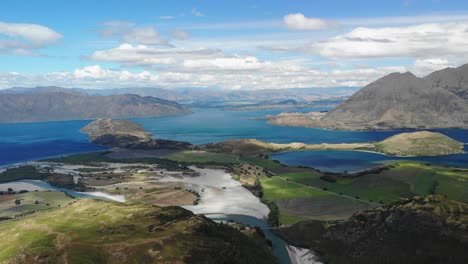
<point x="421" y="143"/>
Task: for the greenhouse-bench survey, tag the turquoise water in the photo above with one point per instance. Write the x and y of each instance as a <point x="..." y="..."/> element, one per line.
<point x="211" y="125"/>
<point x="29" y="141"/>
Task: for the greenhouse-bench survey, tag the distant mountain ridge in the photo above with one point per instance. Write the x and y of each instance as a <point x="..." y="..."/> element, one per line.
<point x="54" y="104"/>
<point x="200" y="95"/>
<point x="398" y="100"/>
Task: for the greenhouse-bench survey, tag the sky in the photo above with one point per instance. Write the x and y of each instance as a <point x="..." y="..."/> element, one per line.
<point x="226" y="44"/>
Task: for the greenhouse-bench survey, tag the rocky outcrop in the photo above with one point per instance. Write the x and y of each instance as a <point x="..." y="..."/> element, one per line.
<point x="127" y="134"/>
<point x="429" y="229"/>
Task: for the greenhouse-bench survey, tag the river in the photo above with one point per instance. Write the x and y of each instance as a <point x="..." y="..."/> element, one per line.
<point x="222" y="198"/>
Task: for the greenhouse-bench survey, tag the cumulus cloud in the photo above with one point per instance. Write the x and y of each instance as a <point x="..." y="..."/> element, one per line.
<point x="146" y="56"/>
<point x="180" y="34"/>
<point x="417" y="41"/>
<point x="300" y="22"/>
<point x="271" y="75"/>
<point x="423" y="67"/>
<point x="129" y="33"/>
<point x="25" y="39"/>
<point x="187" y="60"/>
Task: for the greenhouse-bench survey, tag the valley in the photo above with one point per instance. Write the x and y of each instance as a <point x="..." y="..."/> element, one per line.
<point x="217" y="179"/>
<point x="234" y="132"/>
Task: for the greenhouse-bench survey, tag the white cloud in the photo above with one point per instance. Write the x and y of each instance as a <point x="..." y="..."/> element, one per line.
<point x="240" y="63"/>
<point x="404" y="20"/>
<point x="418" y="41"/>
<point x="129" y="33"/>
<point x="187" y="60"/>
<point x="145" y="36"/>
<point x="25" y="39"/>
<point x="274" y="75"/>
<point x="300" y="22"/>
<point x="166" y="17"/>
<point x="180" y="34"/>
<point x="141" y="55"/>
<point x="196" y="12"/>
<point x="423" y="67"/>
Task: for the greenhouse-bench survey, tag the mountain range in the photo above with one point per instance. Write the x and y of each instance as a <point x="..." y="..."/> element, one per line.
<point x="55" y="105"/>
<point x="201" y="96"/>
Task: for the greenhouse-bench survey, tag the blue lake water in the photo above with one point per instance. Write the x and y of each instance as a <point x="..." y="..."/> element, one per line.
<point x="29" y="141"/>
<point x="351" y="161"/>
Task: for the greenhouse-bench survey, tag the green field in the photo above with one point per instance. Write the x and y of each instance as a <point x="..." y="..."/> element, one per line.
<point x="45" y="200"/>
<point x="298" y="202"/>
<point x="400" y="180"/>
<point x="307" y="177"/>
<point x="301" y="193"/>
<point x="202" y="157"/>
<point x="261" y="162"/>
<point x="406" y="180"/>
<point x="277" y="188"/>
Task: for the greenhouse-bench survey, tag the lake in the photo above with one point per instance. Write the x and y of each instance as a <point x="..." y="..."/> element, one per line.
<point x="28" y="141"/>
<point x="21" y="142"/>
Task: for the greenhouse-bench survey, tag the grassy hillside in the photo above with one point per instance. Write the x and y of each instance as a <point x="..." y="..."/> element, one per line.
<point x="91" y="231"/>
<point x="421" y="143"/>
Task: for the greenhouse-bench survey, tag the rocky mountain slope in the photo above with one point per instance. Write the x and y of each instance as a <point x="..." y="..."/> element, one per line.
<point x="60" y="105"/>
<point x="89" y="231"/>
<point x="454" y="80"/>
<point x="398" y="100"/>
<point x="429" y="229"/>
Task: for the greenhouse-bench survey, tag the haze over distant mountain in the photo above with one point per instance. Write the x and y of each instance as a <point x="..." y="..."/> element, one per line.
<point x="398" y="100"/>
<point x="54" y="104"/>
<point x="203" y="95"/>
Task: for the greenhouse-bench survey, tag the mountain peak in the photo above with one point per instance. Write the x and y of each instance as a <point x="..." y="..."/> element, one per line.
<point x="403" y="100"/>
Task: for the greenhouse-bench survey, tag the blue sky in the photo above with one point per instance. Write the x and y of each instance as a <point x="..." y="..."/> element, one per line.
<point x="226" y="44"/>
